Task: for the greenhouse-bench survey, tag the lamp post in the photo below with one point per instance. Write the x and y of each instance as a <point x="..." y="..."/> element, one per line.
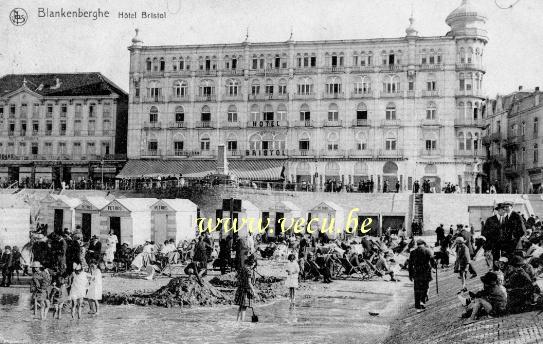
<point x="102" y="170"/>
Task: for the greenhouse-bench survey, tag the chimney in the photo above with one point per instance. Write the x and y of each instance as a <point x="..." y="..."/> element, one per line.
<point x="222" y="163"/>
<point x="520" y="88"/>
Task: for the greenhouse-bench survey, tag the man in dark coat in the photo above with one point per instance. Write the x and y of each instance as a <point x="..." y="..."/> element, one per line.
<point x="6" y="262"/>
<point x="440" y="234"/>
<point x="491" y="232"/>
<point x="421" y="262"/>
<point x="513" y="229"/>
<point x="94" y="252"/>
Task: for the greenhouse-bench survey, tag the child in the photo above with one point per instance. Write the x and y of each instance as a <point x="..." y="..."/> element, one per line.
<point x="39" y="285"/>
<point x="16" y="261"/>
<point x="462" y="260"/>
<point x="58" y="295"/>
<point x="94" y="294"/>
<point x="293" y="269"/>
<point x="78" y="289"/>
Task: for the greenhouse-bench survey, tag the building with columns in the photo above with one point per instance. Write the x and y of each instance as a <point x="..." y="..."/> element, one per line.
<point x="61" y="127"/>
<point x="395" y="109"/>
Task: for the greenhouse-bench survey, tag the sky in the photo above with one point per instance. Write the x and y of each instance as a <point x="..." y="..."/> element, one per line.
<point x="513" y="57"/>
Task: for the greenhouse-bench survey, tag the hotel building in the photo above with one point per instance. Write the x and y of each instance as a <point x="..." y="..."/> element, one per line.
<point x="395" y="109"/>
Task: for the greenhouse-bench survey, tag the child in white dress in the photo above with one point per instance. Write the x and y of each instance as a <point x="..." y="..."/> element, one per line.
<point x="293" y="269"/>
<point x="78" y="289"/>
<point x="94" y="294"/>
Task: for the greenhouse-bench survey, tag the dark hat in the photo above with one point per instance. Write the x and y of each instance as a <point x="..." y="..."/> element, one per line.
<point x="489" y="277"/>
<point x="498" y="206"/>
<point x="421" y="242"/>
<point x="516" y="261"/>
<point x="510" y="204"/>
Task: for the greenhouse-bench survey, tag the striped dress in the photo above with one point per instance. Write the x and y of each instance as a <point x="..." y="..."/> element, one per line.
<point x="243" y="295"/>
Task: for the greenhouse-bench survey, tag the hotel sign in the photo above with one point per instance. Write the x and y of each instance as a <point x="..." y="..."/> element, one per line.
<point x="264" y="124"/>
<point x="266" y="152"/>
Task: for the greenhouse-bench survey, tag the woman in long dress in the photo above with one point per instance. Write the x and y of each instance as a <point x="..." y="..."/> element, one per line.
<point x="293" y="269"/>
<point x="111" y="247"/>
<point x="78" y="290"/>
<point x="94" y="294"/>
<point x="245" y="292"/>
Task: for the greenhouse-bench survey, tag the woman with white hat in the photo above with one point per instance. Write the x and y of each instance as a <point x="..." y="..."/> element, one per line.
<point x="78" y="290"/>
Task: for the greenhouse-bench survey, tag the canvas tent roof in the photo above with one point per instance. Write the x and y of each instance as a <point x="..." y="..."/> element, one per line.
<point x="179" y="204"/>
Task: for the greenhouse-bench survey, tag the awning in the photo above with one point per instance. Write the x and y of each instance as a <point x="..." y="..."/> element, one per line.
<point x="242" y="169"/>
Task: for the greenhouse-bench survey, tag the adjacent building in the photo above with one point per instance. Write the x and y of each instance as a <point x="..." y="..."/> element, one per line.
<point x="513" y="142"/>
<point x="397" y="109"/>
<point x="61" y="127"/>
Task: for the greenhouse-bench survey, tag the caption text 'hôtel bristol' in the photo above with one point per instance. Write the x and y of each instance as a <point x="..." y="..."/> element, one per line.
<point x="393" y="109"/>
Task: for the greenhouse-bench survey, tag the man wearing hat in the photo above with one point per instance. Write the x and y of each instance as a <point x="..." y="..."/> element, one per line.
<point x="492" y="300"/>
<point x="512" y="229"/>
<point x="518" y="284"/>
<point x="491" y="231"/>
<point x="421" y="262"/>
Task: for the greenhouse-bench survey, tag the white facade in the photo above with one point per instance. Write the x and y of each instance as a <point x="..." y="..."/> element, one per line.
<point x="173" y="219"/>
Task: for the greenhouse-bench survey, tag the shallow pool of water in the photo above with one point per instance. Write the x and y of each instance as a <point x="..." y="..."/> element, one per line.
<point x="337" y="318"/>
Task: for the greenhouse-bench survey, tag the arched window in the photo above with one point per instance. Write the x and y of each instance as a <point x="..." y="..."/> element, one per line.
<point x="154" y="90"/>
<point x="361" y="141"/>
<point x="523" y="128"/>
<point x="162" y="64"/>
<point x="461" y="110"/>
<point x="232" y="87"/>
<point x="179" y="114"/>
<point x="305" y="114"/>
<point x="232" y="142"/>
<point x="268" y="90"/>
<point x="333" y="85"/>
<point x="281" y="112"/>
<point x="179" y="144"/>
<point x="282" y="86"/>
<point x="361" y="114"/>
<point x="232" y="114"/>
<point x="331" y="170"/>
<point x="460" y="140"/>
<point x="268" y="114"/>
<point x="255" y="87"/>
<point x="333" y="141"/>
<point x="205" y="142"/>
<point x="180" y="89"/>
<point x="431" y="111"/>
<point x="536" y="126"/>
<point x="207" y="88"/>
<point x="305" y="86"/>
<point x="181" y="63"/>
<point x="391" y="84"/>
<point x="153" y="114"/>
<point x="333" y="113"/>
<point x="205" y="114"/>
<point x="390" y="112"/>
<point x="155" y="64"/>
<point x="390" y="141"/>
<point x="362" y="85"/>
<point x="469" y="141"/>
<point x="431" y="84"/>
<point x="152" y="145"/>
<point x="303" y="143"/>
<point x="255" y="113"/>
<point x="148" y="64"/>
<point x="430" y="140"/>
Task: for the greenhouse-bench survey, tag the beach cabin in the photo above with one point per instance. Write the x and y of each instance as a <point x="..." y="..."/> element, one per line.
<point x="247" y="213"/>
<point x="327" y="211"/>
<point x="14" y="221"/>
<point x="173" y="219"/>
<point x="59" y="212"/>
<point x="129" y="219"/>
<point x="285" y="210"/>
<point x="87" y="215"/>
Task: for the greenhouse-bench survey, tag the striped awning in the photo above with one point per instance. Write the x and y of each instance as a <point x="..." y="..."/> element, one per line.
<point x="242" y="169"/>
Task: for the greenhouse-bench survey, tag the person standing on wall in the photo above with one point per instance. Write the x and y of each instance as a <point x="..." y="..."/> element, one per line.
<point x="421" y="262"/>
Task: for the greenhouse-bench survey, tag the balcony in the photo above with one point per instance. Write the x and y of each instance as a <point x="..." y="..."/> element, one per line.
<point x="228" y="124"/>
<point x="276" y="96"/>
<point x="234" y="153"/>
<point x="391" y="123"/>
<point x="178" y="125"/>
<point x="232" y="97"/>
<point x="113" y="157"/>
<point x="206" y="98"/>
<point x="360" y="153"/>
<point x="151" y="153"/>
<point x="410" y="94"/>
<point x="429" y="153"/>
<point x="391" y="153"/>
<point x="232" y="72"/>
<point x="337" y="153"/>
<point x="334" y="69"/>
<point x="306" y="70"/>
<point x="361" y="123"/>
<point x="431" y="123"/>
<point x="180" y="97"/>
<point x="257" y="96"/>
<point x="362" y="94"/>
<point x="205" y="125"/>
<point x="332" y="123"/>
<point x="468" y="153"/>
<point x="303" y="96"/>
<point x="431" y="66"/>
<point x="392" y="67"/>
<point x="469" y="122"/>
<point x="302" y="153"/>
<point x="470" y="66"/>
<point x="271" y="71"/>
<point x="152" y="125"/>
<point x="153" y="99"/>
<point x="179" y="153"/>
<point x="35" y="133"/>
<point x="267" y="124"/>
<point x="362" y="69"/>
<point x="469" y="93"/>
<point x="306" y="123"/>
<point x="427" y="93"/>
<point x="206" y="72"/>
<point x="335" y="95"/>
<point x="392" y="94"/>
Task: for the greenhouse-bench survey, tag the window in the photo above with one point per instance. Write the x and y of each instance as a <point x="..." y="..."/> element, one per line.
<point x="305" y="114"/>
<point x="92" y="110"/>
<point x="106" y="127"/>
<point x="361" y="112"/>
<point x="76" y="149"/>
<point x="362" y="142"/>
<point x="105" y="148"/>
<point x="303" y="144"/>
<point x="431" y="145"/>
<point x="162" y="64"/>
<point x="255" y="113"/>
<point x="35" y="127"/>
<point x="333" y="113"/>
<point x="179" y="114"/>
<point x="63" y="110"/>
<point x="22" y="148"/>
<point x="411" y="84"/>
<point x="49" y="110"/>
<point x="77" y="127"/>
<point x="362" y="85"/>
<point x="305" y="86"/>
<point x="523" y="128"/>
<point x="181" y="64"/>
<point x="390" y="144"/>
<point x="536" y="153"/>
<point x="461" y="141"/>
<point x="431" y="85"/>
<point x="205" y="144"/>
<point x="62" y="148"/>
<point x="48" y="148"/>
<point x="391" y="84"/>
<point x="269" y="87"/>
<point x="91" y="127"/>
<point x="62" y="129"/>
<point x="35" y="109"/>
<point x="313" y="61"/>
<point x="11" y="128"/>
<point x="178" y="147"/>
<point x="148" y="64"/>
<point x="390" y="112"/>
<point x="232" y="87"/>
<point x="232" y="145"/>
<point x="23" y="128"/>
<point x="332" y="144"/>
<point x="153" y="114"/>
<point x="281" y="112"/>
<point x="431" y="111"/>
<point x="48" y="128"/>
<point x="205" y="114"/>
<point x="24" y="110"/>
<point x="268" y="114"/>
<point x="154" y="91"/>
<point x="255" y="87"/>
<point x="152" y="146"/>
<point x="180" y="89"/>
<point x="78" y="108"/>
<point x="282" y="89"/>
<point x="34" y="148"/>
<point x="536" y="126"/>
<point x="333" y="86"/>
<point x="232" y="114"/>
<point x="106" y="109"/>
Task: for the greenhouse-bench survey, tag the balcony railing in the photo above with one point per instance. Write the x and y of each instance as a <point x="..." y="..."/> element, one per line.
<point x="470" y="66"/>
<point x="180" y="153"/>
<point x="329" y="123"/>
<point x="393" y="94"/>
<point x="334" y="69"/>
<point x="468" y="122"/>
<point x="361" y="94"/>
<point x="431" y="122"/>
<point x="151" y="153"/>
<point x="306" y="123"/>
<point x="228" y="124"/>
<point x="394" y="153"/>
<point x="153" y="99"/>
<point x="333" y="153"/>
<point x="205" y="124"/>
<point x="232" y="72"/>
<point x="429" y="152"/>
<point x="276" y="96"/>
<point x="227" y="96"/>
<point x="469" y="93"/>
<point x="204" y="153"/>
<point x="362" y="69"/>
<point x="305" y="70"/>
<point x="302" y="153"/>
<point x="357" y="153"/>
<point x="334" y="95"/>
<point x="267" y="124"/>
<point x="177" y="125"/>
<point x="152" y="125"/>
<point x="206" y="72"/>
<point x="180" y="97"/>
<point x="390" y="123"/>
<point x="206" y="97"/>
<point x="431" y="66"/>
<point x="427" y="93"/>
<point x="361" y="122"/>
<point x="108" y="132"/>
<point x="235" y="153"/>
<point x="305" y="95"/>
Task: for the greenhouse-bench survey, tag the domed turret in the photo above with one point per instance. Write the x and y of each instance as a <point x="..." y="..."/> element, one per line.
<point x="411" y="31"/>
<point x="136" y="40"/>
<point x="467" y="20"/>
